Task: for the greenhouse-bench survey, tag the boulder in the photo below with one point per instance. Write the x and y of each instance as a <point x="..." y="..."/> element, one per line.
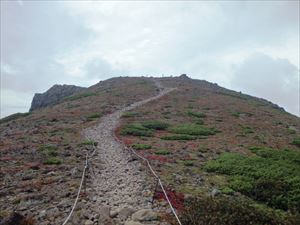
<point x="104" y="216"/>
<point x="126" y="212"/>
<point x="215" y="192"/>
<point x="144" y="215"/>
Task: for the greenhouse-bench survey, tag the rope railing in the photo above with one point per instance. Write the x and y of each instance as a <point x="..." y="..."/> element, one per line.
<point x="155" y="175"/>
<point x="81" y="184"/>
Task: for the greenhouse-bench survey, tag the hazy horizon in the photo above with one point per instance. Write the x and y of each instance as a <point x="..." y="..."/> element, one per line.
<point x="246" y="46"/>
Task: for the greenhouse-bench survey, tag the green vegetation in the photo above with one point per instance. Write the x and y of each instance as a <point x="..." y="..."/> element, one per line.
<point x="141" y="146"/>
<point x="50" y="154"/>
<point x="203" y="149"/>
<point x="196" y="114"/>
<point x="246" y="130"/>
<point x="53" y="161"/>
<point x="79" y="96"/>
<point x="49" y="150"/>
<point x="236" y="114"/>
<point x="226" y="211"/>
<point x="13" y="117"/>
<point x="227" y="190"/>
<point x="188" y="163"/>
<point x="136" y="129"/>
<point x="87" y="143"/>
<point x="162" y="152"/>
<point x="271" y="176"/>
<point x="129" y="114"/>
<point x="145" y="128"/>
<point x="179" y="137"/>
<point x="94" y="116"/>
<point x="199" y="122"/>
<point x="192" y="129"/>
<point x="291" y="131"/>
<point x="155" y="125"/>
<point x="296" y="141"/>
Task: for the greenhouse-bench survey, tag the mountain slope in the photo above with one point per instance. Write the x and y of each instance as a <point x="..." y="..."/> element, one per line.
<point x="205" y="139"/>
<point x="42" y="153"/>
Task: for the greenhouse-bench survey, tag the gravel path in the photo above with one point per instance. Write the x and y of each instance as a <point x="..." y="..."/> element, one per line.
<point x="120" y="185"/>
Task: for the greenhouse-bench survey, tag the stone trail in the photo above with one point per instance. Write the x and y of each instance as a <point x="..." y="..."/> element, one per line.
<point x="121" y="188"/>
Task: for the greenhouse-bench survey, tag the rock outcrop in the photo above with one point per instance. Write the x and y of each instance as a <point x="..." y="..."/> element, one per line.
<point x="53" y="96"/>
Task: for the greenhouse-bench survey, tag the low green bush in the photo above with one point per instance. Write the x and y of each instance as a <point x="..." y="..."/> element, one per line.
<point x="141" y="146"/>
<point x="203" y="149"/>
<point x="296" y="141"/>
<point x="271" y="176"/>
<point x="155" y="125"/>
<point x="192" y="129"/>
<point x="236" y="114"/>
<point x="47" y="147"/>
<point x="53" y="161"/>
<point x="162" y="152"/>
<point x="94" y="116"/>
<point x="48" y="150"/>
<point x="227" y="211"/>
<point x="129" y="114"/>
<point x="246" y="130"/>
<point x="292" y="131"/>
<point x="227" y="190"/>
<point x="136" y="129"/>
<point x="196" y="114"/>
<point x="199" y="121"/>
<point x="178" y="137"/>
<point x="87" y="142"/>
<point x="188" y="163"/>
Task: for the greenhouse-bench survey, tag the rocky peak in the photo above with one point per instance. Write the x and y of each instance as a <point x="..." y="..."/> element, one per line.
<point x="53" y="95"/>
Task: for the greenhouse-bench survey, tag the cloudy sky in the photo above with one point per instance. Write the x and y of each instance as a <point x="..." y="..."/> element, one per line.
<point x="248" y="46"/>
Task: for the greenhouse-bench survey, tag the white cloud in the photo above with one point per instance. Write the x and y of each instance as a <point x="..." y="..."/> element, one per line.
<point x="20" y="2"/>
<point x="12" y="102"/>
<point x="273" y="78"/>
<point x="80" y="42"/>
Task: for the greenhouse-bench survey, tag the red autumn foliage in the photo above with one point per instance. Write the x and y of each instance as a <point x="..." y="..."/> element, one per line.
<point x="176" y="199"/>
<point x="33" y="165"/>
<point x="127" y="141"/>
<point x="156" y="157"/>
<point x="192" y="145"/>
<point x="6" y="158"/>
<point x="188" y="158"/>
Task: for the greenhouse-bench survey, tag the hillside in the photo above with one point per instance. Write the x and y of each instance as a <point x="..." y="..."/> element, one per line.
<point x="218" y="153"/>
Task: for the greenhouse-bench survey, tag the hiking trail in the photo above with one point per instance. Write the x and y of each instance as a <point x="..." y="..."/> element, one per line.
<point x="120" y="186"/>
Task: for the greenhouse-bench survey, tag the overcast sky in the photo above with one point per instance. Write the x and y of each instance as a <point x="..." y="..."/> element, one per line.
<point x="248" y="46"/>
